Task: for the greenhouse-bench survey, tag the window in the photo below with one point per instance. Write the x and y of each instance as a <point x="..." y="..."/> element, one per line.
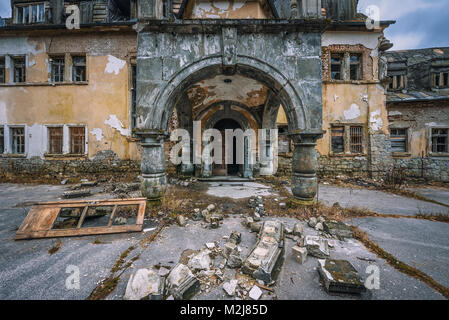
<point x="398" y="140"/>
<point x="55" y="140"/>
<point x="2" y="69"/>
<point x="19" y="69"/>
<point x="33" y="13"/>
<point x="77" y="140"/>
<point x="356" y="137"/>
<point x="337" y="66"/>
<point x="440" y="140"/>
<point x="18" y="140"/>
<point x="2" y="140"/>
<point x="355" y="72"/>
<point x="347" y="139"/>
<point x="57" y="69"/>
<point x="398" y="82"/>
<point x="337" y="139"/>
<point x="78" y="68"/>
<point x="441" y="80"/>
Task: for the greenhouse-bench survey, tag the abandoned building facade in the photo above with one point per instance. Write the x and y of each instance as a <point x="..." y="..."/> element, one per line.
<point x="106" y="96"/>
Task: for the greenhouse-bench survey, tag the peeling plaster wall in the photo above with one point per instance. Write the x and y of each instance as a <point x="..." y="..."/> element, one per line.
<point x="101" y="105"/>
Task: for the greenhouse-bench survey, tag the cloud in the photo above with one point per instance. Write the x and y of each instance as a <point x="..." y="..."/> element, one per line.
<point x="5" y="9"/>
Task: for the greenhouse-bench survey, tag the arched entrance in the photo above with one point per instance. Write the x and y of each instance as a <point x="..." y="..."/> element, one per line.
<point x="228" y="169"/>
<point x="286" y="61"/>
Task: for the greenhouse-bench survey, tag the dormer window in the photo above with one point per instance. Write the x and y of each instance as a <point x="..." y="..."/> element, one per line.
<point x="29" y="13"/>
<point x="441" y="80"/>
<point x="398" y="82"/>
<point x="397" y="71"/>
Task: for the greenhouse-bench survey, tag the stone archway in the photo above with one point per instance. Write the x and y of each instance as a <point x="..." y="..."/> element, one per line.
<point x="283" y="57"/>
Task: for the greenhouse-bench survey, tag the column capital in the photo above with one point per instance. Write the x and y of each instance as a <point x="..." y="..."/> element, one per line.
<point x="151" y="136"/>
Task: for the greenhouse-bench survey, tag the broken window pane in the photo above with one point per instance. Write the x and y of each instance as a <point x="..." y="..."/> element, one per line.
<point x="18" y="140"/>
<point x="337" y="139"/>
<point x="356" y="139"/>
<point x="2" y="69"/>
<point x="78" y="69"/>
<point x="440" y="140"/>
<point x="19" y="69"/>
<point x="336" y="66"/>
<point x="398" y="140"/>
<point x="77" y="140"/>
<point x="55" y="140"/>
<point x="99" y="216"/>
<point x="355" y="67"/>
<point x="2" y="140"/>
<point x="68" y="218"/>
<point x="125" y="215"/>
<point x="57" y="69"/>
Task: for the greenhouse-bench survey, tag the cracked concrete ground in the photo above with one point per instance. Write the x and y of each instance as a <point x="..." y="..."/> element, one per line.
<point x="28" y="271"/>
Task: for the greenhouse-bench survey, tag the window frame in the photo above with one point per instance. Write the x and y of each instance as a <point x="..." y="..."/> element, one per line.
<point x="341" y="64"/>
<point x="358" y="65"/>
<point x="2" y="69"/>
<point x="11" y="140"/>
<point x="438" y="79"/>
<point x="13" y="63"/>
<point x="431" y="137"/>
<point x="52" y="61"/>
<point x="406" y="141"/>
<point x="84" y="144"/>
<point x="394" y="86"/>
<point x="347" y="140"/>
<point x="73" y="67"/>
<point x="49" y="137"/>
<point x="40" y="15"/>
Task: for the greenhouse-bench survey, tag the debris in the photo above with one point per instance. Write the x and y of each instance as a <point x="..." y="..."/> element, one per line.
<point x="200" y="261"/>
<point x="234" y="260"/>
<point x="319" y="226"/>
<point x="317" y="247"/>
<point x="210" y="207"/>
<point x="76" y="194"/>
<point x="230" y="287"/>
<point x="340" y="276"/>
<point x="312" y="222"/>
<point x="255" y="293"/>
<point x="145" y="284"/>
<point x="210" y="245"/>
<point x="282" y="205"/>
<point x="181" y="283"/>
<point x="338" y="229"/>
<point x="235" y="237"/>
<point x="298" y="229"/>
<point x="255" y="226"/>
<point x="288" y="230"/>
<point x="366" y="259"/>
<point x="265" y="259"/>
<point x="256" y="216"/>
<point x="163" y="272"/>
<point x="120" y="221"/>
<point x="149" y="229"/>
<point x="88" y="184"/>
<point x="214" y="221"/>
<point x="248" y="221"/>
<point x="229" y="248"/>
<point x="300" y="254"/>
<point x="181" y="220"/>
<point x="64" y="181"/>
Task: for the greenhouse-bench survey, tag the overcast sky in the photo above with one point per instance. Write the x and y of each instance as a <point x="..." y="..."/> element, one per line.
<point x="419" y="23"/>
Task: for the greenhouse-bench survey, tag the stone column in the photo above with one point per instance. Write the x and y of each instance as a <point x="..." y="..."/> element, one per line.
<point x="188" y="169"/>
<point x="154" y="180"/>
<point x="304" y="168"/>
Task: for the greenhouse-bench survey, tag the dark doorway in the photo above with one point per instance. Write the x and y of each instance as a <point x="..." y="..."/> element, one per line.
<point x="227" y="169"/>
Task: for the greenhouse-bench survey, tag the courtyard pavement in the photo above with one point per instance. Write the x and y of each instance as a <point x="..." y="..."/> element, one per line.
<point x="29" y="271"/>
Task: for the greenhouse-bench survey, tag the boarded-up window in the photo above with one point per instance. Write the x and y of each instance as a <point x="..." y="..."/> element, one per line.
<point x="18" y="140"/>
<point x="57" y="69"/>
<point x="398" y="140"/>
<point x="55" y="140"/>
<point x="336" y="66"/>
<point x="2" y="140"/>
<point x="337" y="139"/>
<point x="355" y="67"/>
<point x="2" y="69"/>
<point x="440" y="140"/>
<point x="356" y="139"/>
<point x="19" y="69"/>
<point x="78" y="68"/>
<point x="77" y="140"/>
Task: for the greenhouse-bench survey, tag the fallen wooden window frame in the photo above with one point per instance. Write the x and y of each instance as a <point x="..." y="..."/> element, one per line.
<point x="42" y="216"/>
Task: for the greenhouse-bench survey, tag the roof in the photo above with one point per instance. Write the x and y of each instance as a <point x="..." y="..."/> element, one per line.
<point x="419" y="64"/>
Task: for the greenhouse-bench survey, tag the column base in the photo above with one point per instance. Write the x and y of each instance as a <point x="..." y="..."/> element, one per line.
<point x="153" y="186"/>
<point x="298" y="202"/>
